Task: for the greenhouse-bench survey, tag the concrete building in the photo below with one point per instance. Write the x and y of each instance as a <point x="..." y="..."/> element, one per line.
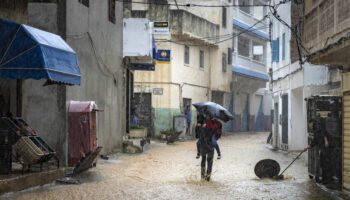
<point x="326" y="36"/>
<point x="94" y="30"/>
<point x="293" y="83"/>
<point x="250" y="99"/>
<point x="196" y="68"/>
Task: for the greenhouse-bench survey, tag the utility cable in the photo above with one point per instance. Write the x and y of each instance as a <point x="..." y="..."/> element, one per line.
<point x="193" y="5"/>
<point x="232" y="35"/>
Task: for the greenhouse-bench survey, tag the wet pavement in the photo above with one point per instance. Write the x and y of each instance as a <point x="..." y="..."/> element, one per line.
<point x="172" y="172"/>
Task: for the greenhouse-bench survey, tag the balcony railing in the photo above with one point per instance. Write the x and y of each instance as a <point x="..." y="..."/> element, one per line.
<point x="249" y="62"/>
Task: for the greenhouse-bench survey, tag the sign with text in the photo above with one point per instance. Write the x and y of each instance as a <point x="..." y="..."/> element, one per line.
<point x="161" y="28"/>
<point x="163" y="55"/>
<point x="157" y="91"/>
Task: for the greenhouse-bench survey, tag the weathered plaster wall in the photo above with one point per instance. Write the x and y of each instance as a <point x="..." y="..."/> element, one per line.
<point x="98" y="43"/>
<point x="44" y="107"/>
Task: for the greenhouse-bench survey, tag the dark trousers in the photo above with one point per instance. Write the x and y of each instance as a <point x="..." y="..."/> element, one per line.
<point x="198" y="147"/>
<point x="214" y="143"/>
<point x="207" y="156"/>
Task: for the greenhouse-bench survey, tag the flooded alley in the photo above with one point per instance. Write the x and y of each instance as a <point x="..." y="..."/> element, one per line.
<point x="172" y="172"/>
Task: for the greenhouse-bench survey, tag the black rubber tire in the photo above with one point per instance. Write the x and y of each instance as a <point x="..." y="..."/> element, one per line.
<point x="267" y="168"/>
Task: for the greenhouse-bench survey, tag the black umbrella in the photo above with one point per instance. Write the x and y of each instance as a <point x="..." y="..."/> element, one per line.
<point x="216" y="110"/>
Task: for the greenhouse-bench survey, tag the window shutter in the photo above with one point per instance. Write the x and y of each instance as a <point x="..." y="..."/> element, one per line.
<point x="275" y="50"/>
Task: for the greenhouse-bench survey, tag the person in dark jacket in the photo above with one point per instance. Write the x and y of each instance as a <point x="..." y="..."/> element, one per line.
<point x="200" y="123"/>
<point x="206" y="148"/>
<point x="321" y="141"/>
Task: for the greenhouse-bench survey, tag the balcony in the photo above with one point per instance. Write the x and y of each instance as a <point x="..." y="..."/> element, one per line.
<point x="187" y="27"/>
<point x="250" y="20"/>
<point x="184" y="26"/>
<point x="251" y="64"/>
<point x="326" y="31"/>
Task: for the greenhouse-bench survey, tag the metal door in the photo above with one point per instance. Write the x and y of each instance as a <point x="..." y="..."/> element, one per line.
<point x="143" y="105"/>
<point x="346" y="141"/>
<point x="285" y="119"/>
<point x="276" y="124"/>
<point x="228" y="126"/>
<point x="245" y="114"/>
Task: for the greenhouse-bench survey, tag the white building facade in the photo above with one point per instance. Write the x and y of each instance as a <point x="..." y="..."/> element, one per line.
<point x="195" y="67"/>
<point x="250" y="61"/>
<point x="292" y="83"/>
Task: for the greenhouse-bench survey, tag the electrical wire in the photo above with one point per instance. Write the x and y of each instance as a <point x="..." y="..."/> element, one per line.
<point x="273" y="11"/>
<point x="192" y="5"/>
<point x="246" y="30"/>
<point x="230" y="36"/>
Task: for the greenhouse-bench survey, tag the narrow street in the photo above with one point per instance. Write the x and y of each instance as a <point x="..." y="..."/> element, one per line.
<point x="172" y="172"/>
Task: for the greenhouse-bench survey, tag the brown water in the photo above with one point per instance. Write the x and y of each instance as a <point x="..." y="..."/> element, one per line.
<point x="172" y="172"/>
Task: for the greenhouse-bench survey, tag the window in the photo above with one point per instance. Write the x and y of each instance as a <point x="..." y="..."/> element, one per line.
<point x="187" y="54"/>
<point x="275" y="50"/>
<point x="283" y="46"/>
<point x="243" y="46"/>
<point x="258" y="51"/>
<point x="9" y="4"/>
<point x="224" y="63"/>
<point x="229" y="56"/>
<point x="245" y="9"/>
<point x="201" y="59"/>
<point x="224" y="17"/>
<point x="85" y="2"/>
<point x="111" y="11"/>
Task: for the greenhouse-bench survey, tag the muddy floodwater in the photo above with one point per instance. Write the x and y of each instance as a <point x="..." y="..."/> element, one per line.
<point x="172" y="172"/>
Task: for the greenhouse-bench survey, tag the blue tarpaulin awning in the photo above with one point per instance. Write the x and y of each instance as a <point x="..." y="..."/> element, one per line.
<point x="29" y="53"/>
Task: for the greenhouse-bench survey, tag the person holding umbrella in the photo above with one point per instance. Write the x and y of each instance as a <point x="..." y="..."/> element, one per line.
<point x="200" y="123"/>
<point x="207" y="139"/>
<point x="206" y="147"/>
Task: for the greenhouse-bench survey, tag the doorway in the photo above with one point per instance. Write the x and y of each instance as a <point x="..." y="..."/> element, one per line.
<point x="187" y="108"/>
<point x="275" y="127"/>
<point x="285" y="121"/>
<point x="143" y="107"/>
